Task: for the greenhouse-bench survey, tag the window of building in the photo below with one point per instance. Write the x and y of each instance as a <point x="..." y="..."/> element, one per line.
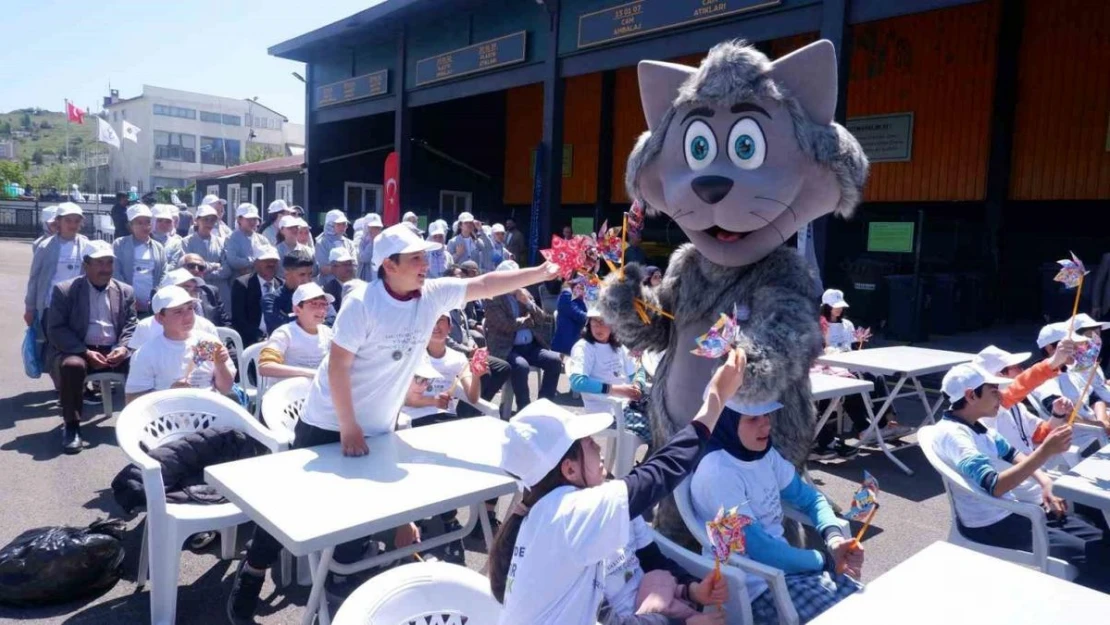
<point x="360" y="198"/>
<point x="115" y="116"/>
<point x="216" y="151"/>
<point x="206" y="116"/>
<point x="451" y="203"/>
<point x="258" y="194"/>
<point x="231" y="120"/>
<point x="213" y="189"/>
<point x="175" y="111"/>
<point x="174" y="146"/>
<point x="283" y="190"/>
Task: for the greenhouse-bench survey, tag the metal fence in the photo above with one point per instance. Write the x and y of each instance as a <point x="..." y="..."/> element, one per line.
<point x="22" y="219"/>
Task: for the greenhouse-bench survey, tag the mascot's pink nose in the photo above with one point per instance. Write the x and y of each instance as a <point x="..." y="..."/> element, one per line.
<point x="711" y="189"/>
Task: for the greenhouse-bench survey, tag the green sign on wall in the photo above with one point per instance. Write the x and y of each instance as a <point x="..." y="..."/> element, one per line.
<point x="890" y="236"/>
<point x="582" y="225"/>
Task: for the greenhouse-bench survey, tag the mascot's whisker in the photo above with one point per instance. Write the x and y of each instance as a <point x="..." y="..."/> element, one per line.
<point x="788" y="207"/>
<point x="770" y="223"/>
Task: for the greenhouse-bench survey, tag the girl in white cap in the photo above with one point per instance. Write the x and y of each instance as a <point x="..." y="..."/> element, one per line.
<point x="274" y="214"/>
<point x="468" y="244"/>
<point x="207" y="243"/>
<point x="364" y="243"/>
<point x="239" y="256"/>
<point x="289" y="230"/>
<point x="49" y="227"/>
<point x="140" y="260"/>
<point x="548" y="562"/>
<point x="165" y="232"/>
<point x="333" y="236"/>
<point x="59" y="258"/>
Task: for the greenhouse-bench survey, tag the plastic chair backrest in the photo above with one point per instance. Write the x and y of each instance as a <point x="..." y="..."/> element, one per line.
<point x="685" y="503"/>
<point x="155" y="419"/>
<point x="424" y="592"/>
<point x="249" y="376"/>
<point x="283" y="403"/>
<point x="227" y="335"/>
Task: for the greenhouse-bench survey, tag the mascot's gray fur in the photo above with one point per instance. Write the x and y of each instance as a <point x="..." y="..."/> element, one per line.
<point x="741" y="153"/>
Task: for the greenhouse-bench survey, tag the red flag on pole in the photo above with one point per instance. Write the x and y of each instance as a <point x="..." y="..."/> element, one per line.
<point x="74" y="114"/>
<point x="392" y="190"/>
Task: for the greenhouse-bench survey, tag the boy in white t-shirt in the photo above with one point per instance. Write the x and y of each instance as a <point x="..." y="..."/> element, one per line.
<point x="181" y="357"/>
<point x="436" y="400"/>
<point x="149" y="327"/>
<point x="380" y="338"/>
<point x="296" y="349"/>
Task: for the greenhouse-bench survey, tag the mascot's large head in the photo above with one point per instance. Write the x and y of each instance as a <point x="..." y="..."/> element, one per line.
<point x="742" y="152"/>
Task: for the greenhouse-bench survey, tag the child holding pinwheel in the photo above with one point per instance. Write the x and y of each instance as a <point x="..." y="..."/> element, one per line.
<point x="743" y="471"/>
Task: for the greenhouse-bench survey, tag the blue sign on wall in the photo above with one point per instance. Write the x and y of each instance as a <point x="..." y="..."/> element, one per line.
<point x="640" y="17"/>
<point x="357" y="88"/>
<point x="479" y="57"/>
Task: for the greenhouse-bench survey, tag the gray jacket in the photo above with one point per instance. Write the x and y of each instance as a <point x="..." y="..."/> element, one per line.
<point x="43" y="264"/>
<point x="124" y="247"/>
<point x="172" y="244"/>
<point x="68" y="320"/>
<point x="238" y="258"/>
<point x="324" y="245"/>
<point x="211" y="250"/>
<point x="480" y="251"/>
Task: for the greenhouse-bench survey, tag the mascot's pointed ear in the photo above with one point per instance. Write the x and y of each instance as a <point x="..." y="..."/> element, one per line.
<point x="659" y="83"/>
<point x="810" y="75"/>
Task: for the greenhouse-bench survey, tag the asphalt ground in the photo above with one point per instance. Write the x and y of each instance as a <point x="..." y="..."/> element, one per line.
<point x="39" y="486"/>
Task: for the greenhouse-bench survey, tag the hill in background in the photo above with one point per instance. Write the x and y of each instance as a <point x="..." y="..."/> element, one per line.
<point x="40" y="135"/>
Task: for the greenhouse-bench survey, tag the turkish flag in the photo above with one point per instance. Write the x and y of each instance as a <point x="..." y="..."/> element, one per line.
<point x="74" y="114"/>
<point x="392" y="190"/>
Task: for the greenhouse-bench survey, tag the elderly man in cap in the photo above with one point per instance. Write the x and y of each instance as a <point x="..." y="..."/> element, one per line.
<point x="470" y="243"/>
<point x="212" y="305"/>
<point x="219" y="205"/>
<point x="49" y="217"/>
<point x="364" y="243"/>
<point x="119" y="213"/>
<point x="58" y="259"/>
<point x="140" y="260"/>
<point x="207" y="243"/>
<point x="333" y="236"/>
<point x="165" y="232"/>
<point x="499" y="251"/>
<point x="343" y="270"/>
<point x="89" y="325"/>
<point x="250" y="292"/>
<point x="440" y="260"/>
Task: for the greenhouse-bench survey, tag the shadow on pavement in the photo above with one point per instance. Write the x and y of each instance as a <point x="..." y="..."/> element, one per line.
<point x="29" y="405"/>
<point x="924" y="484"/>
<point x="47" y="445"/>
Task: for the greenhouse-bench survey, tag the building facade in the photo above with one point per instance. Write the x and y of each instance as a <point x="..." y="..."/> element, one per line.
<point x="258" y="183"/>
<point x="981" y="119"/>
<point x="8" y="151"/>
<point x="184" y="134"/>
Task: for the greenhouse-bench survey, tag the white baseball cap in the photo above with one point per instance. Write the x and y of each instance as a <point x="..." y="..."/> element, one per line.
<point x="247" y="210"/>
<point x="508" y="265"/>
<point x="336" y="216"/>
<point x="49" y="214"/>
<point x="1083" y="321"/>
<point x="340" y="255"/>
<point x="400" y="239"/>
<point x="265" y="252"/>
<point x="994" y="359"/>
<point x="289" y="221"/>
<point x="69" y="208"/>
<point x="465" y="218"/>
<point x="538" y="437"/>
<point x="138" y="210"/>
<point x="436" y="229"/>
<point x="206" y="210"/>
<point x="170" y="297"/>
<point x="211" y="199"/>
<point x="968" y="377"/>
<point x="163" y="211"/>
<point x="498" y="228"/>
<point x="409" y="216"/>
<point x="746" y="408"/>
<point x="278" y="206"/>
<point x="99" y="249"/>
<point x="834" y="298"/>
<point x="1052" y="333"/>
<point x="310" y="290"/>
<point x="373" y="220"/>
<point x="180" y="276"/>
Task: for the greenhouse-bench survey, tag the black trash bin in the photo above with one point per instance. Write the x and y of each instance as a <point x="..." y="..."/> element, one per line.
<point x="901" y="301"/>
<point x="944" y="304"/>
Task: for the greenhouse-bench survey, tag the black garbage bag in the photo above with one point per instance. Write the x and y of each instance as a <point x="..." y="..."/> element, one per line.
<point x="52" y="565"/>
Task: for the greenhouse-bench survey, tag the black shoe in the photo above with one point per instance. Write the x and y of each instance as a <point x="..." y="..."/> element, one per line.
<point x="243" y="600"/>
<point x="823" y="452"/>
<point x="494" y="526"/>
<point x="71" y="439"/>
<point x="92" y="397"/>
<point x="844" y="450"/>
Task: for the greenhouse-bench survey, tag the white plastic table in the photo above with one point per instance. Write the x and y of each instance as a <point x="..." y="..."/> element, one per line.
<point x="313" y="499"/>
<point x="1088" y="482"/>
<point x="835" y="388"/>
<point x="908" y="364"/>
<point x="967" y="587"/>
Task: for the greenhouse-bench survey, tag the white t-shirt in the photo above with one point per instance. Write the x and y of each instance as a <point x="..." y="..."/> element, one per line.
<point x="142" y="278"/>
<point x="601" y="362"/>
<point x="960" y="446"/>
<point x="623" y="572"/>
<point x="161" y="362"/>
<point x="450" y="367"/>
<point x="841" y="335"/>
<point x="753" y="487"/>
<point x="1071" y="383"/>
<point x="388" y="338"/>
<point x="149" y="328"/>
<point x="69" y="265"/>
<point x="299" y="348"/>
<point x="560" y="555"/>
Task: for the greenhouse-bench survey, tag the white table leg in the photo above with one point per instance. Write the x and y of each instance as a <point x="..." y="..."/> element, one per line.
<point x="834" y="403"/>
<point x="317" y="602"/>
<point x="930" y="409"/>
<point x="887" y="451"/>
<point x="487" y="531"/>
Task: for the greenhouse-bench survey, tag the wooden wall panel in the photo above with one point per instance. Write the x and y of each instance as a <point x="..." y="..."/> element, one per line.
<point x="940" y="65"/>
<point x="628" y="123"/>
<point x="1063" y="108"/>
<point x="524" y="130"/>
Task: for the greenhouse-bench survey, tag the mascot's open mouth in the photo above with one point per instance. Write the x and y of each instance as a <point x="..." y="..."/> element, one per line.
<point x="726" y="236"/>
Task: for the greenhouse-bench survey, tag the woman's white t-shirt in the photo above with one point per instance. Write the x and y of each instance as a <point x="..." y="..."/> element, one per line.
<point x="299" y="348"/>
<point x="450" y="367"/>
<point x="600" y="362"/>
<point x="388" y="338"/>
<point x="558" y="569"/>
<point x="841" y="335"/>
<point x="149" y="328"/>
<point x="162" y="362"/>
<point x="623" y="573"/>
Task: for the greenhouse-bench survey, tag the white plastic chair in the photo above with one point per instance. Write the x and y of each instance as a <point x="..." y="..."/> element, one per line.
<point x="422" y="592"/>
<point x="620" y="450"/>
<point x="106" y="381"/>
<point x="248" y="361"/>
<point x="507" y="395"/>
<point x="281" y="411"/>
<point x="227" y="335"/>
<point x="738" y="608"/>
<point x="954" y="481"/>
<point x="153" y="420"/>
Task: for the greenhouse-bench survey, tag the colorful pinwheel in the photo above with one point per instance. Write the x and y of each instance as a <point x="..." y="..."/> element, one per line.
<point x="479" y="362"/>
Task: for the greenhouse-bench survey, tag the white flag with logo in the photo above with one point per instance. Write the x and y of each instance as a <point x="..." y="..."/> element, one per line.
<point x="106" y="134"/>
<point x="131" y="132"/>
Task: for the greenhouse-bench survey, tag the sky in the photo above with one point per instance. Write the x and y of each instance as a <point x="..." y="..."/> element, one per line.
<point x="51" y="50"/>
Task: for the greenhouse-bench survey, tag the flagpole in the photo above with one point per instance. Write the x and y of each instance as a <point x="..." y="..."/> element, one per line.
<point x="67" y="127"/>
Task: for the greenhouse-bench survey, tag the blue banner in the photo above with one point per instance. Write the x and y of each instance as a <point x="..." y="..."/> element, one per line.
<point x="537" y="200"/>
<point x="357" y="88"/>
<point x="479" y="57"/>
<point x="640" y="17"/>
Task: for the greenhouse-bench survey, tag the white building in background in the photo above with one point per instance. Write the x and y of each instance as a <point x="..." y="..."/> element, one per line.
<point x="184" y="134"/>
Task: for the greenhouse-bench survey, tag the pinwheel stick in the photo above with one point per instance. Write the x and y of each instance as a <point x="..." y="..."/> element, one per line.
<point x="716" y="579"/>
<point x="1083" y="395"/>
<point x="624" y="237"/>
<point x="654" y="308"/>
<point x="1075" y="307"/>
<point x="859" y="535"/>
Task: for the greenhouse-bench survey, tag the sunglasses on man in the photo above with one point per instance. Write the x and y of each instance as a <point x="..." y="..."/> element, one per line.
<point x="195" y="266"/>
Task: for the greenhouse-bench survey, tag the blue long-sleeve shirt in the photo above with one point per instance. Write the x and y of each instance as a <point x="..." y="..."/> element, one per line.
<point x="569" y="324"/>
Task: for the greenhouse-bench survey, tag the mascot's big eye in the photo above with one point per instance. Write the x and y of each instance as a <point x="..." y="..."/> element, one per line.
<point x="701" y="146"/>
<point x="746" y="146"/>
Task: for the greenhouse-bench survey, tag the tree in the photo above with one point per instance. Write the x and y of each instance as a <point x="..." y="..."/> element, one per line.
<point x="58" y="176"/>
<point x="12" y="171"/>
<point x="6" y="129"/>
<point x="26" y="121"/>
<point x="36" y="158"/>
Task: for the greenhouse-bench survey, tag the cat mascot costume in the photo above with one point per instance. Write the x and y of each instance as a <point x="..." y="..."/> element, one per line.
<point x="741" y="153"/>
